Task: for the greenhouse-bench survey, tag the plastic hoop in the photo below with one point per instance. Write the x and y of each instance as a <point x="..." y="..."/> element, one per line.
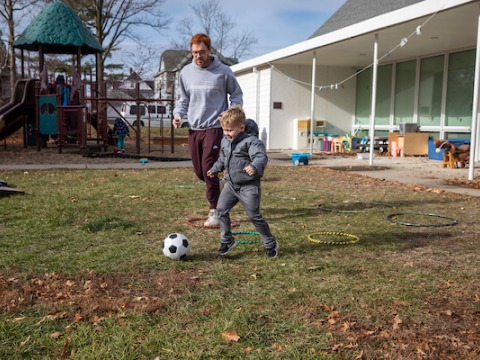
<point x="356" y="211"/>
<point x="194" y="222"/>
<point x="296" y="198"/>
<point x="247" y="242"/>
<point x="391" y="218"/>
<point x="354" y="238"/>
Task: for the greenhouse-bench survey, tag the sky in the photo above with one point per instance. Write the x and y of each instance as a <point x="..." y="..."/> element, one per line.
<point x="275" y="23"/>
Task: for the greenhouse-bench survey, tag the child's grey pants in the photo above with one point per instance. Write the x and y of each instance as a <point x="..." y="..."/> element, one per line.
<point x="249" y="197"/>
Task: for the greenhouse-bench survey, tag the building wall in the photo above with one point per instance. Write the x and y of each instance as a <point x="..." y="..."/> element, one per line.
<point x="256" y="99"/>
<point x="289" y="87"/>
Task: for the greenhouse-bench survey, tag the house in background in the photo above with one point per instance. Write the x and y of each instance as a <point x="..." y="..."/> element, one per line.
<point x="425" y="75"/>
<point x="166" y="80"/>
<point x="129" y="86"/>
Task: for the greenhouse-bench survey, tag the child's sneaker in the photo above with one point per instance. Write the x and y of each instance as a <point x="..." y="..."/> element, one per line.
<point x="212" y="218"/>
<point x="272" y="253"/>
<point x="226" y="247"/>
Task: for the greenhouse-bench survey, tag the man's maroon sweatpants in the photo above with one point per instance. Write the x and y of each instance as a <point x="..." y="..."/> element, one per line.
<point x="204" y="146"/>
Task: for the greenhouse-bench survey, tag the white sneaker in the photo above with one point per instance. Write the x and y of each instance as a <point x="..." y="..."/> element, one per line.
<point x="212" y="218"/>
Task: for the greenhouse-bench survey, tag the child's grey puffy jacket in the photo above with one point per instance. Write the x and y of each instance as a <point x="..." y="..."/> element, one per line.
<point x="237" y="154"/>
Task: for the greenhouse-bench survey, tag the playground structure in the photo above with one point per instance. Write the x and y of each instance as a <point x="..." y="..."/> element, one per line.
<point x="73" y="113"/>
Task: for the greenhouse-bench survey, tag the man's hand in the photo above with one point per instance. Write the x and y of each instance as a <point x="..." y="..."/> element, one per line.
<point x="176" y="121"/>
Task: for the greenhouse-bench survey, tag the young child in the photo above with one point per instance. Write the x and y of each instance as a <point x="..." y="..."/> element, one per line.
<point x="242" y="159"/>
<point x="121" y="130"/>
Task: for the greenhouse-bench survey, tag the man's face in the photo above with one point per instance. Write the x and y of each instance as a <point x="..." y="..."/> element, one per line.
<point x="201" y="54"/>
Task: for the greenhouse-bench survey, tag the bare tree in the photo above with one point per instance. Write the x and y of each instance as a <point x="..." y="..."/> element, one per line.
<point x="8" y="11"/>
<point x="140" y="58"/>
<point x="217" y="24"/>
<point x="117" y="20"/>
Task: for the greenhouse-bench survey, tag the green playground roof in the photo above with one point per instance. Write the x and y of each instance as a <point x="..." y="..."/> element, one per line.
<point x="59" y="30"/>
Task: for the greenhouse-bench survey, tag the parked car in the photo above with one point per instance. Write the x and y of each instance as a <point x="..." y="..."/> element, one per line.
<point x="156" y="113"/>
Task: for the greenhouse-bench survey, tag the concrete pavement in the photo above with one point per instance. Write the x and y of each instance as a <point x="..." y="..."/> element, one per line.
<point x="409" y="170"/>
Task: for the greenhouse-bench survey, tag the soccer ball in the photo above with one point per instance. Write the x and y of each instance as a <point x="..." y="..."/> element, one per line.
<point x="176" y="246"/>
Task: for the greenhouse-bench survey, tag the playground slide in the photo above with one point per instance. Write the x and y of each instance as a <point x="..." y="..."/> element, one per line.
<point x="13" y="114"/>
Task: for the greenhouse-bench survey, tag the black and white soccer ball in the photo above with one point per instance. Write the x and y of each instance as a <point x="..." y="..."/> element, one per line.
<point x="176" y="246"/>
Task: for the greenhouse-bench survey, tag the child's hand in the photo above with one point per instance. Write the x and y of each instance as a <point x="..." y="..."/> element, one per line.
<point x="210" y="174"/>
<point x="249" y="170"/>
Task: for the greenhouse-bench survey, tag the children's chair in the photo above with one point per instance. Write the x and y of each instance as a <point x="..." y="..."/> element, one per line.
<point x="336" y="145"/>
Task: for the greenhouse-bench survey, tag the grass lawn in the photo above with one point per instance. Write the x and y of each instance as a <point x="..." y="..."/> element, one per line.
<point x="82" y="274"/>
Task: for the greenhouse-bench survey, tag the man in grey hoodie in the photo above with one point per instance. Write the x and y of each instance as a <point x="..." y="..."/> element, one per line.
<point x="205" y="87"/>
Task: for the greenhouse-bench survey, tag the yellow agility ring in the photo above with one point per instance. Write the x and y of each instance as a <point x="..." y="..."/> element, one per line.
<point x="353" y="238"/>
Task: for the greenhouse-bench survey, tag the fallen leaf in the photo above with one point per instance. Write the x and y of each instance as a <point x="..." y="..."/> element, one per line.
<point x="347" y="325"/>
<point x="97" y="320"/>
<point x="276" y="347"/>
<point x="396" y="322"/>
<point x="359" y="356"/>
<point x="25" y="342"/>
<point x="56" y="335"/>
<point x="230" y="336"/>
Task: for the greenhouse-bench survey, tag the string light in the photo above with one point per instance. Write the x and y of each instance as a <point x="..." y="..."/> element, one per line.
<point x="403" y="42"/>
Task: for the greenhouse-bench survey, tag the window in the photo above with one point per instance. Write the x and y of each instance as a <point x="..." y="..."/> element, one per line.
<point x="404" y="92"/>
<point x="384" y="89"/>
<point x="461" y="74"/>
<point x="364" y="96"/>
<point x="133" y="110"/>
<point x="430" y="92"/>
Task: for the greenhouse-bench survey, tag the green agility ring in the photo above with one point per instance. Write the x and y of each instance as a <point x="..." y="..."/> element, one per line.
<point x="353" y="238"/>
<point x="393" y="218"/>
<point x="247" y="242"/>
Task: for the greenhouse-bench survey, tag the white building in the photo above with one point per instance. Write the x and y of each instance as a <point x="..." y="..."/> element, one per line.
<point x="426" y="73"/>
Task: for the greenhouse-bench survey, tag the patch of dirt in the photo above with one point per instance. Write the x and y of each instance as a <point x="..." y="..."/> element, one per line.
<point x="358" y="168"/>
<point x="12" y="152"/>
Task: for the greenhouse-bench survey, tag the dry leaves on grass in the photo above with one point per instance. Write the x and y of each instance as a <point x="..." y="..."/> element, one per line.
<point x="230" y="336"/>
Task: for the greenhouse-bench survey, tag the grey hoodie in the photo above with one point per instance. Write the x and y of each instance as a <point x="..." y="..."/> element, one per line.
<point x="203" y="94"/>
<point x="235" y="155"/>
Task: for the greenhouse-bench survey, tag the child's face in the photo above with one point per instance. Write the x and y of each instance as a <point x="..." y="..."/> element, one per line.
<point x="231" y="132"/>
